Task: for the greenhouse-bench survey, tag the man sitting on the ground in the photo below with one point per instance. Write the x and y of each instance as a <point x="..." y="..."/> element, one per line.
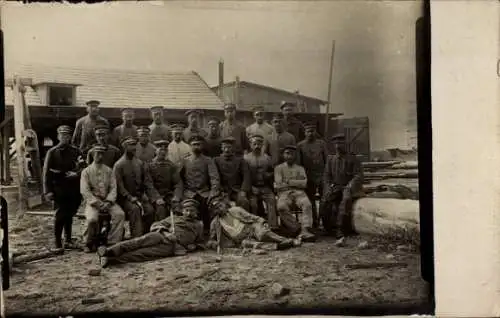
<point x="241" y="228"/>
<point x="167" y="238"/>
<point x="290" y="181"/>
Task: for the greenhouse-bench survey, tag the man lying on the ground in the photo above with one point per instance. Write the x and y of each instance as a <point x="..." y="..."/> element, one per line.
<point x="239" y="228"/>
<point x="167" y="238"/>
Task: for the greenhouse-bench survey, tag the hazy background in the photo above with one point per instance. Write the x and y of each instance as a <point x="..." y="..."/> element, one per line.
<point x="281" y="44"/>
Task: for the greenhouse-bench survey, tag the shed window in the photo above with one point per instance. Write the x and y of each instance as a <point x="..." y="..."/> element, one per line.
<point x="61" y="95"/>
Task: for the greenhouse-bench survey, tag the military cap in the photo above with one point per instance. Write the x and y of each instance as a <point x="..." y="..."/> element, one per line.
<point x="129" y="140"/>
<point x="257" y="136"/>
<point x="229" y="106"/>
<point x="93" y="102"/>
<point x="190" y="203"/>
<point x="290" y="147"/>
<point x="310" y="125"/>
<point x="192" y="111"/>
<point x="213" y="119"/>
<point x="285" y="103"/>
<point x="228" y="140"/>
<point x="258" y="109"/>
<point x="101" y="127"/>
<point x="177" y="128"/>
<point x="196" y="138"/>
<point x="155" y="109"/>
<point x="127" y="110"/>
<point x="64" y="129"/>
<point x="160" y="143"/>
<point x="99" y="148"/>
<point x="143" y="130"/>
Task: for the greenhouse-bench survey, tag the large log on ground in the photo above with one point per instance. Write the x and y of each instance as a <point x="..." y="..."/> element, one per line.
<point x="391" y="174"/>
<point x="37" y="256"/>
<point x="405" y="165"/>
<point x="396" y="191"/>
<point x="387" y="217"/>
<point x="374" y="165"/>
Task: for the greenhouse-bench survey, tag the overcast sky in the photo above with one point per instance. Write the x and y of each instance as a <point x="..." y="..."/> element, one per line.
<point x="282" y="44"/>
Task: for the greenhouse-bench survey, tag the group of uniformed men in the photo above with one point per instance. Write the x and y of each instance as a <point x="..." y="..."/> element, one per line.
<point x="175" y="185"/>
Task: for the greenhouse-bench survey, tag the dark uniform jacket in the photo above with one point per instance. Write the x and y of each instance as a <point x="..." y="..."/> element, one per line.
<point x="187" y="230"/>
<point x="238" y="132"/>
<point x="121" y="132"/>
<point x="58" y="161"/>
<point x="160" y="132"/>
<point x="212" y="147"/>
<point x="164" y="175"/>
<point x="110" y="156"/>
<point x="295" y="127"/>
<point x="198" y="175"/>
<point x="133" y="180"/>
<point x="189" y="131"/>
<point x="313" y="156"/>
<point x="261" y="170"/>
<point x="84" y="135"/>
<point x="341" y="172"/>
<point x="277" y="143"/>
<point x="234" y="174"/>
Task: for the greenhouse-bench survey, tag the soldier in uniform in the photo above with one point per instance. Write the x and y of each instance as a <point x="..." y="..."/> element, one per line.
<point x="290" y="182"/>
<point x="161" y="242"/>
<point x="239" y="228"/>
<point x="342" y="182"/>
<point x="178" y="150"/>
<point x="261" y="180"/>
<point x="127" y="128"/>
<point x="231" y="128"/>
<point x="234" y="174"/>
<point x="135" y="189"/>
<point x="159" y="128"/>
<point x="98" y="188"/>
<point x="193" y="128"/>
<point x="213" y="140"/>
<point x="146" y="151"/>
<point x="279" y="139"/>
<point x="312" y="155"/>
<point x="83" y="136"/>
<point x="165" y="177"/>
<point x="61" y="182"/>
<point x="260" y="127"/>
<point x="111" y="154"/>
<point x="199" y="179"/>
<point x="290" y="122"/>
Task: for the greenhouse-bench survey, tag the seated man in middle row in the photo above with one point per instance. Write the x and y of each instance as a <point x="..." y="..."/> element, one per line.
<point x="199" y="179"/>
<point x="290" y="181"/>
<point x="234" y="174"/>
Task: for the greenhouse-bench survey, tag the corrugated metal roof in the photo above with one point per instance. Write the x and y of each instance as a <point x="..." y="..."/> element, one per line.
<point x="120" y="88"/>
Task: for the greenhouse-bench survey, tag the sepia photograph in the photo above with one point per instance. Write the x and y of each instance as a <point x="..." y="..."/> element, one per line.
<point x="214" y="157"/>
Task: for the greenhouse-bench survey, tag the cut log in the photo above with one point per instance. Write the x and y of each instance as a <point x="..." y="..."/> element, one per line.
<point x="37" y="256"/>
<point x="391" y="174"/>
<point x="405" y="165"/>
<point x="397" y="191"/>
<point x="369" y="165"/>
<point x="387" y="217"/>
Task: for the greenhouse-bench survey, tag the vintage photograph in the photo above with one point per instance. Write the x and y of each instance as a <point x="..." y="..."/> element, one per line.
<point x="211" y="156"/>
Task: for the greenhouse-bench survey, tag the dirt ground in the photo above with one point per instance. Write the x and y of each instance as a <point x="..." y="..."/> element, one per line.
<point x="314" y="273"/>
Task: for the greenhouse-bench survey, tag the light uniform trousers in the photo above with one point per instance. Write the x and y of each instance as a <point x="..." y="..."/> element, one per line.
<point x="117" y="222"/>
<point x="286" y="201"/>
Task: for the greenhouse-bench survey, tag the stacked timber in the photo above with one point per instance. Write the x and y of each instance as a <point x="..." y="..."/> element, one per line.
<point x="389" y="203"/>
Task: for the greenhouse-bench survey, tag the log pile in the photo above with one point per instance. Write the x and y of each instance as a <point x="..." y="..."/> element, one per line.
<point x="389" y="204"/>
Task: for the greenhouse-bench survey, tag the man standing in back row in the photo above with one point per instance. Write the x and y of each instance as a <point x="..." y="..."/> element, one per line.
<point x="159" y="128"/>
<point x="111" y="153"/>
<point x="193" y="128"/>
<point x="290" y="123"/>
<point x="231" y="128"/>
<point x="146" y="151"/>
<point x="127" y="128"/>
<point x="312" y="155"/>
<point x="83" y="136"/>
<point x="178" y="150"/>
<point x="260" y="127"/>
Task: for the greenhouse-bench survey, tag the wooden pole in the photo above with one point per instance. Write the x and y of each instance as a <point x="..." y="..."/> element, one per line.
<point x="330" y="78"/>
<point x="221" y="79"/>
<point x="2" y="156"/>
<point x="6" y="136"/>
<point x="237" y="92"/>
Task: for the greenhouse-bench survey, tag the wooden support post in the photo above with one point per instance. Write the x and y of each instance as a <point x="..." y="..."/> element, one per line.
<point x="18" y="87"/>
<point x="2" y="156"/>
<point x="6" y="137"/>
